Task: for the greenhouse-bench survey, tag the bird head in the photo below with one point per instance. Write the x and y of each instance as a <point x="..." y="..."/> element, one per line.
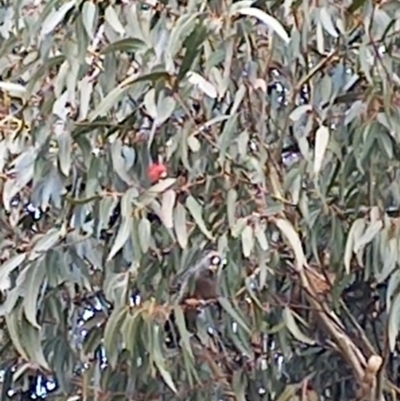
<point x="156" y="171"/>
<point x="203" y="272"/>
<point x="208" y="265"/>
<point x="212" y="261"/>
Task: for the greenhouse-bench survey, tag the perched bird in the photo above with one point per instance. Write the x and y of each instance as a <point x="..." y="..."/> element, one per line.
<point x="200" y="282"/>
<point x="155" y="172"/>
<point x="197" y="284"/>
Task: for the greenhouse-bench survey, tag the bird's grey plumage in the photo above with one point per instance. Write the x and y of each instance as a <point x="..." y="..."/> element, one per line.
<point x="202" y="276"/>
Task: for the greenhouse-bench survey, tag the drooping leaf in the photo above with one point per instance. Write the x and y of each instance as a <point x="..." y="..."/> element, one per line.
<point x="226" y="305"/>
<point x="167" y="207"/>
<point x="112" y="332"/>
<point x="180" y="225"/>
<point x="205" y="86"/>
<point x="14" y="89"/>
<point x="144" y="234"/>
<point x="268" y="20"/>
<point x="321" y="143"/>
<point x="196" y="211"/>
<point x="122" y="237"/>
<point x="394" y="322"/>
<point x="327" y="22"/>
<point x="89" y="11"/>
<point x="52" y="20"/>
<point x="160" y="362"/>
<point x="14" y="330"/>
<point x="33" y="282"/>
<point x="192" y="45"/>
<point x="111" y="17"/>
<point x="46" y="242"/>
<point x="180" y="321"/>
<point x="355" y="232"/>
<point x="32" y="342"/>
<point x="294" y="329"/>
<point x="9" y="266"/>
<point x="124" y="45"/>
<point x="294" y="240"/>
<point x="247" y="241"/>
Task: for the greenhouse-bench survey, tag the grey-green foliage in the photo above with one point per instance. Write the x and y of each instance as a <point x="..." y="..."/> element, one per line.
<point x="278" y="123"/>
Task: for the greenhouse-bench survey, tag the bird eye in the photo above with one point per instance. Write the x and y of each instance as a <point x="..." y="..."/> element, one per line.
<point x="215" y="261"/>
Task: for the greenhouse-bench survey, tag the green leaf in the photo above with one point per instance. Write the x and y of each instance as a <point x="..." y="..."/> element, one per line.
<point x="89" y="11"/>
<point x="247" y="241"/>
<point x="355" y="5"/>
<point x="85" y="91"/>
<point x="119" y="162"/>
<point x="197" y="213"/>
<point x="130" y="330"/>
<point x="9" y="266"/>
<point x="394" y="322"/>
<point x="124" y="45"/>
<point x="210" y="123"/>
<point x="52" y="20"/>
<point x="182" y="28"/>
<point x="193" y="143"/>
<point x="180" y="225"/>
<point x="268" y="20"/>
<point x="154" y="77"/>
<point x="112" y="98"/>
<point x="150" y="103"/>
<point x="289" y="393"/>
<point x="180" y="322"/>
<point x="45" y="242"/>
<point x="111" y="17"/>
<point x="201" y="83"/>
<point x="122" y="236"/>
<point x="233" y="313"/>
<point x="321" y="143"/>
<point x="239" y="385"/>
<point x="227" y="136"/>
<point x="357" y="228"/>
<point x="32" y="342"/>
<point x="144" y="234"/>
<point x="327" y="23"/>
<point x="369" y="234"/>
<point x="14" y="331"/>
<point x="294" y="240"/>
<point x="34" y="278"/>
<point x="112" y="332"/>
<point x="64" y="155"/>
<point x="167" y="207"/>
<point x="192" y="46"/>
<point x="165" y="107"/>
<point x="231" y="207"/>
<point x="14" y="90"/>
<point x="299" y="112"/>
<point x="259" y="231"/>
<point x="159" y="361"/>
<point x="292" y="326"/>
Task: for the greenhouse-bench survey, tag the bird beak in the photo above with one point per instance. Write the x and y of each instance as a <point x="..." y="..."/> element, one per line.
<point x="213" y="268"/>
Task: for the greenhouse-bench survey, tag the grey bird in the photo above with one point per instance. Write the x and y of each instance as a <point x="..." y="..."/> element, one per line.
<point x="200" y="282"/>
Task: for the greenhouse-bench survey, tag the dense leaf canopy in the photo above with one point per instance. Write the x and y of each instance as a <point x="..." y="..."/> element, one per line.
<point x="139" y="136"/>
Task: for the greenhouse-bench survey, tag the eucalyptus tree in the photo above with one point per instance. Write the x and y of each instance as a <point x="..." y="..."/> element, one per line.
<point x="199" y="199"/>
